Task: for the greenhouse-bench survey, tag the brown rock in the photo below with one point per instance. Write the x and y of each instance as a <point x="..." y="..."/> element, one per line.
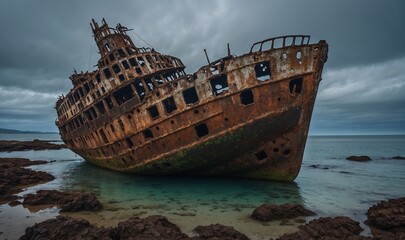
<point x="268" y="212"/>
<point x="218" y="231"/>
<point x="387" y="218"/>
<point x="14" y="203"/>
<point x="9" y="146"/>
<point x="359" y="158"/>
<point x="152" y="227"/>
<point x="327" y="228"/>
<point x="387" y="235"/>
<point x="14" y="177"/>
<point x="65" y="228"/>
<point x="67" y="201"/>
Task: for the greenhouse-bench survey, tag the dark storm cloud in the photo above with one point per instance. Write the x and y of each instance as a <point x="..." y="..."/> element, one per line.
<point x="366" y="99"/>
<point x="42" y="41"/>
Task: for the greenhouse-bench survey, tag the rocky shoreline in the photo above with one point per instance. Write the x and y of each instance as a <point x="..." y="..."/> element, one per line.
<point x="10" y="146"/>
<point x="66" y="201"/>
<point x="385" y="219"/>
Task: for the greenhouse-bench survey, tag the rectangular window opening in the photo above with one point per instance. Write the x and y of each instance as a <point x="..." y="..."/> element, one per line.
<point x="107" y="72"/>
<point x="129" y="142"/>
<point x="296" y="86"/>
<point x="190" y="95"/>
<point x="149" y="84"/>
<point x="107" y="47"/>
<point x="153" y="112"/>
<point x="123" y="95"/>
<point x="149" y="59"/>
<point x="93" y="112"/>
<point x="111" y="56"/>
<point x="201" y="130"/>
<point x="125" y="64"/>
<point x="80" y="90"/>
<point x="262" y="70"/>
<point x="246" y="97"/>
<point x="116" y="68"/>
<point x="88" y="115"/>
<point x="80" y="117"/>
<point x="86" y="85"/>
<point x="138" y="84"/>
<point x="100" y="107"/>
<point x="169" y="105"/>
<point x="147" y="134"/>
<point x="121" y="52"/>
<point x="141" y="62"/>
<point x="110" y="104"/>
<point x="219" y="84"/>
<point x="132" y="62"/>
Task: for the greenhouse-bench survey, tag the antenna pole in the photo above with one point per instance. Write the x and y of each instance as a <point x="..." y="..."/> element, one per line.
<point x="206" y="55"/>
<point x="229" y="50"/>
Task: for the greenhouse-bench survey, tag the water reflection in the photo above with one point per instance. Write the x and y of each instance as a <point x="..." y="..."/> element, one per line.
<point x="113" y="187"/>
<point x="185" y="201"/>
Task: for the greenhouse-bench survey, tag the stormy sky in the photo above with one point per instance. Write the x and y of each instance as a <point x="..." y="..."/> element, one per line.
<point x="363" y="86"/>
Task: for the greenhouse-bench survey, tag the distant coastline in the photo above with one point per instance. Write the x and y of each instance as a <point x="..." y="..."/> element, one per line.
<point x="13" y="131"/>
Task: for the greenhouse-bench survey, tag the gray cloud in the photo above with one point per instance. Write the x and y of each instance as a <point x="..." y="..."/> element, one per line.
<point x="42" y="41"/>
<point x="26" y="109"/>
<point x="363" y="99"/>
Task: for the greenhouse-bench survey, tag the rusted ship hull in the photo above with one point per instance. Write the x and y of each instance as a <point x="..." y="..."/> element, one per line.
<point x="269" y="146"/>
<point x="245" y="116"/>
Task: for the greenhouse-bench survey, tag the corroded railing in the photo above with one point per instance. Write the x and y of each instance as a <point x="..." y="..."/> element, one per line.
<point x="280" y="42"/>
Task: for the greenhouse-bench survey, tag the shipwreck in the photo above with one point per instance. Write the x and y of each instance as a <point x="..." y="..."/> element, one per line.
<point x="244" y="116"/>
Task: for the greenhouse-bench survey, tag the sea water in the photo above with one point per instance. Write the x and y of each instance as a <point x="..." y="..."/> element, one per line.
<point x="328" y="184"/>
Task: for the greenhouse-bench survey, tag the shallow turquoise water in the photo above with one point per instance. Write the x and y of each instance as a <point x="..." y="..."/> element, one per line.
<point x="327" y="184"/>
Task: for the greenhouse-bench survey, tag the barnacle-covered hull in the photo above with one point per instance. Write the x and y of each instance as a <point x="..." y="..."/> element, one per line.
<point x="244" y="116"/>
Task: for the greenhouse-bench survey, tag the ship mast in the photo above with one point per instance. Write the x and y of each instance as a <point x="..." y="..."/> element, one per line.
<point x="109" y="39"/>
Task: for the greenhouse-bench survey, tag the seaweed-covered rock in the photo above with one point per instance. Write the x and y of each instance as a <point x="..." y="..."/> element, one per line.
<point x="359" y="158"/>
<point x="67" y="201"/>
<point x="328" y="228"/>
<point x="218" y="231"/>
<point x="269" y="212"/>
